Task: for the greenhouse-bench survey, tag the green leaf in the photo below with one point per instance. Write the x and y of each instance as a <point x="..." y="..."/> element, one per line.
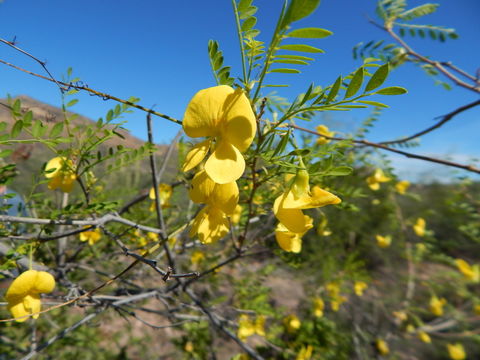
<point x="310" y="33"/>
<point x="72" y="102"/>
<point x="334" y="91"/>
<point x="392" y="90"/>
<point x="378" y="78"/>
<point x="418" y="11"/>
<point x="355" y="83"/>
<point x="3" y="126"/>
<point x="56" y="129"/>
<point x="340" y="171"/>
<point x="243" y="5"/>
<point x="37" y="126"/>
<point x="299" y="9"/>
<point x="16" y="106"/>
<point x="218" y="63"/>
<point x="302" y="48"/>
<point x="294" y="57"/>
<point x="294" y="62"/>
<point x="249" y="23"/>
<point x="6" y="152"/>
<point x="16" y="129"/>
<point x="285" y="71"/>
<point x="248" y="13"/>
<point x="27" y="118"/>
<point x="373" y="103"/>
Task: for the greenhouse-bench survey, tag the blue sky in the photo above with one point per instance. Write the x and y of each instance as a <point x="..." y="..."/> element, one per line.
<point x="156" y="50"/>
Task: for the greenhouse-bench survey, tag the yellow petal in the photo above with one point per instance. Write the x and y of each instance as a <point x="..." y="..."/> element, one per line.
<point x="22" y="285"/>
<point x="201" y="188"/>
<point x="196" y="155"/>
<point x="210" y="225"/>
<point x="289" y="241"/>
<point x="226" y="164"/>
<point x="54" y="166"/>
<point x="237" y="214"/>
<point x="240" y="123"/>
<point x="44" y="283"/>
<point x="32" y="304"/>
<point x="225" y="197"/>
<point x="382" y="347"/>
<point x="205" y="111"/>
<point x="292" y="219"/>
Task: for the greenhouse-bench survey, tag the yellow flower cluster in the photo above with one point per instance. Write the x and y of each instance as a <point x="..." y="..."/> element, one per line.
<point x="23" y="295"/>
<point x="288" y="210"/>
<point x="378" y="177"/>
<point x="323" y="130"/>
<point x="436" y="305"/>
<point x="359" y="287"/>
<point x="336" y="300"/>
<point x="61" y="173"/>
<point x="247" y="327"/>
<point x="456" y="351"/>
<point x="383" y="241"/>
<point x="402" y="186"/>
<point x="226" y="118"/>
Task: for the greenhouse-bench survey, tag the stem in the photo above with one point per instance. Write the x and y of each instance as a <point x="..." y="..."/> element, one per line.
<point x="240" y="40"/>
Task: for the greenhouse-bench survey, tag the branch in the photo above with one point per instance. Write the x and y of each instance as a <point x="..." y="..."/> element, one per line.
<point x="445" y="118"/>
<point x="386" y="148"/>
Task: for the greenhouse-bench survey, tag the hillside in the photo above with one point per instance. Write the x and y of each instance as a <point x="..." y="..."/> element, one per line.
<point x="29" y="158"/>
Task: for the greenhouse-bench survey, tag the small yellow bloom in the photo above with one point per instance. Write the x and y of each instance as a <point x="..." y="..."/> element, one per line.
<point x="211" y="224"/>
<point x="247" y="327"/>
<point x="333" y="289"/>
<point x="322" y="228"/>
<point x="336" y="302"/>
<point x="292" y="323"/>
<point x="423" y="336"/>
<point x="165" y="191"/>
<point x="470" y="272"/>
<point x="402" y="186"/>
<point x="225" y="116"/>
<point x="377" y="178"/>
<point x="476" y="309"/>
<point x="197" y="257"/>
<point x="419" y="227"/>
<point x="359" y="287"/>
<point x="400" y="315"/>
<point x="151" y="236"/>
<point x="323" y="130"/>
<point x="189" y="347"/>
<point x="289" y="205"/>
<point x="382" y="347"/>
<point x="318" y="307"/>
<point x="456" y="351"/>
<point x="375" y="202"/>
<point x="410" y="328"/>
<point x="383" y="241"/>
<point x="436" y="305"/>
<point x="260" y="325"/>
<point x="61" y="173"/>
<point x="23" y="295"/>
<point x="305" y="353"/>
<point x="92" y="236"/>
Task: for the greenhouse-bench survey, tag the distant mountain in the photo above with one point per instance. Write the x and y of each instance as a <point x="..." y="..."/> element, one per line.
<point x="30" y="157"/>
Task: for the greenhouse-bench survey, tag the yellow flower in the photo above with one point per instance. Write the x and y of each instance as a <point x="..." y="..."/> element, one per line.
<point x="23" y="295"/>
<point x="410" y="328"/>
<point x="419" y="227"/>
<point x="470" y="272"/>
<point x="189" y="347"/>
<point x="436" y="305"/>
<point x="476" y="309"/>
<point x="402" y="186"/>
<point x="290" y="241"/>
<point x="400" y="315"/>
<point x="92" y="236"/>
<point x="359" y="287"/>
<point x="211" y="223"/>
<point x="323" y="130"/>
<point x="151" y="236"/>
<point x="383" y="241"/>
<point x="322" y="228"/>
<point x="318" y="307"/>
<point x="382" y="347"/>
<point x="292" y="323"/>
<point x="336" y="302"/>
<point x="377" y="178"/>
<point x="456" y="351"/>
<point x="289" y="205"/>
<point x="225" y="116"/>
<point x="423" y="336"/>
<point x="197" y="257"/>
<point x="247" y="327"/>
<point x="305" y="353"/>
<point x="165" y="192"/>
<point x="61" y="173"/>
<point x="333" y="289"/>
